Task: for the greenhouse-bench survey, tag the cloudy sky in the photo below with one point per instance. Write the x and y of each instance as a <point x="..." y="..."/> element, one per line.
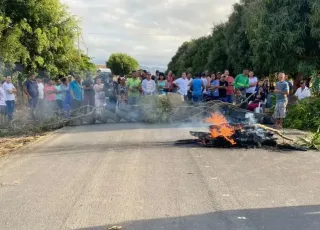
<point x="149" y="30"/>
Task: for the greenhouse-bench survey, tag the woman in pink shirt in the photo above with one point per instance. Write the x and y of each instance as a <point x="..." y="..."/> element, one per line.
<point x="50" y="93"/>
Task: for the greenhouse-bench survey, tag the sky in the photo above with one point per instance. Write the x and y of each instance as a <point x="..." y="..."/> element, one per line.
<point x="149" y="30"/>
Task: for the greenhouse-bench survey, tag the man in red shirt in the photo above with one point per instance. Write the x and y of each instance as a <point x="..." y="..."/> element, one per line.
<point x="230" y="88"/>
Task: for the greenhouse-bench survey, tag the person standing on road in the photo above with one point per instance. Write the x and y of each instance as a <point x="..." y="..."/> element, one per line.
<point x="289" y="84"/>
<point x="100" y="96"/>
<point x="59" y="95"/>
<point x="170" y="80"/>
<point x="253" y="81"/>
<point x="182" y="83"/>
<point x="122" y="97"/>
<point x="76" y="92"/>
<point x="189" y="77"/>
<point x="162" y="84"/>
<point x="230" y="89"/>
<point x="213" y="89"/>
<point x="9" y="94"/>
<point x="3" y="106"/>
<point x="89" y="95"/>
<point x="204" y="79"/>
<point x="133" y="85"/>
<point x="282" y="92"/>
<point x="30" y="88"/>
<point x="41" y="95"/>
<point x="50" y="93"/>
<point x="197" y="86"/>
<point x="157" y="76"/>
<point x="242" y="81"/>
<point x="66" y="97"/>
<point x="223" y="86"/>
<point x="148" y="85"/>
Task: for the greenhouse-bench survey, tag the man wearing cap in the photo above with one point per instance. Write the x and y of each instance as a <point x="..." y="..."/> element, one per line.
<point x="303" y="91"/>
<point x="148" y="85"/>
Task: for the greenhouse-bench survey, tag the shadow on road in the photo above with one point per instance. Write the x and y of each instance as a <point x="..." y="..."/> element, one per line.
<point x="282" y="218"/>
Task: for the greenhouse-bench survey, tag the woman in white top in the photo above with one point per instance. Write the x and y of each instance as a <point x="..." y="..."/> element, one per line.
<point x="100" y="96"/>
<point x="9" y="94"/>
<point x="253" y="81"/>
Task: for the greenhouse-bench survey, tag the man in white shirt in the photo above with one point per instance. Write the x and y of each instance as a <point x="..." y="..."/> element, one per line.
<point x="40" y="96"/>
<point x="9" y="92"/>
<point x="253" y="82"/>
<point x="182" y="83"/>
<point x="189" y="77"/>
<point x="303" y="91"/>
<point x="40" y="89"/>
<point x="204" y="79"/>
<point x="148" y="85"/>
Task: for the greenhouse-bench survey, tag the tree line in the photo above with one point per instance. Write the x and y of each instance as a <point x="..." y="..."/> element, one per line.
<point x="263" y="35"/>
<point x="40" y="36"/>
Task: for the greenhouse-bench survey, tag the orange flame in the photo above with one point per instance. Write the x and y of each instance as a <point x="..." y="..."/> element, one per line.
<point x="222" y="128"/>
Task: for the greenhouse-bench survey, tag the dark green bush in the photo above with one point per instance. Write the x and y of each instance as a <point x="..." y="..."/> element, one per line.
<point x="305" y="115"/>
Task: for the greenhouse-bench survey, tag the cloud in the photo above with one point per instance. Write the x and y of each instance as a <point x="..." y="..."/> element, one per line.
<point x="149" y="30"/>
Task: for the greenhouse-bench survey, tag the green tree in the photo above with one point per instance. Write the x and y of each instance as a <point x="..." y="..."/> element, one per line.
<point x="40" y="35"/>
<point x="266" y="36"/>
<point x="122" y="64"/>
<point x="284" y="35"/>
<point x="238" y="49"/>
<point x="177" y="64"/>
<point x="218" y="58"/>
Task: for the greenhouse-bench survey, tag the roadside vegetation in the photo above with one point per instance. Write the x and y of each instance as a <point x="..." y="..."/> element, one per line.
<point x="40" y="36"/>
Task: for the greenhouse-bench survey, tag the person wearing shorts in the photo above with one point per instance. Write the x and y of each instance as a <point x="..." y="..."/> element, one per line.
<point x="282" y="92"/>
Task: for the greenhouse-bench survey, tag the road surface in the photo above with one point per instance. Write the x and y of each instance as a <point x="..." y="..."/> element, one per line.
<point x="131" y="175"/>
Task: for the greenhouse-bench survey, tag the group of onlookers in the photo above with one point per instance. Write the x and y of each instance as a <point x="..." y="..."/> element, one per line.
<point x="245" y="90"/>
<point x="70" y="93"/>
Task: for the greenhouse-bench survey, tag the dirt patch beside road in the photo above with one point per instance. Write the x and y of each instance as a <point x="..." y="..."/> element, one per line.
<point x="10" y="144"/>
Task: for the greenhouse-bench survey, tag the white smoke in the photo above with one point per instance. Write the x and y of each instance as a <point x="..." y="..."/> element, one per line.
<point x="250" y="119"/>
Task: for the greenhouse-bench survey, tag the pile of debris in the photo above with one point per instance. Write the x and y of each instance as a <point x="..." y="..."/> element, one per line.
<point x="242" y="135"/>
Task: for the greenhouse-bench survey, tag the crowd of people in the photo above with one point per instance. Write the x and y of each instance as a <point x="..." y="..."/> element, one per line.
<point x="67" y="94"/>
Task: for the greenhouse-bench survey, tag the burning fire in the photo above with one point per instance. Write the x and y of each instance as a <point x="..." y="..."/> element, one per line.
<point x="221" y="128"/>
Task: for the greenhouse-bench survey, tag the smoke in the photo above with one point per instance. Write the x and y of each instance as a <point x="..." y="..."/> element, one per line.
<point x="250" y="119"/>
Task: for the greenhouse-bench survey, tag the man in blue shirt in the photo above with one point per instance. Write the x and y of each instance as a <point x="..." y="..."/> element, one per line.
<point x="76" y="92"/>
<point x="282" y="92"/>
<point x="30" y="88"/>
<point x="197" y="87"/>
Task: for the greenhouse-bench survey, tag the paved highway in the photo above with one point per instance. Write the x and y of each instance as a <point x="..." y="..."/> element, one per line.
<point x="131" y="175"/>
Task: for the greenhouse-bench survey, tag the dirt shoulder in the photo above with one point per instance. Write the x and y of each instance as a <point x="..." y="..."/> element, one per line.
<point x="13" y="143"/>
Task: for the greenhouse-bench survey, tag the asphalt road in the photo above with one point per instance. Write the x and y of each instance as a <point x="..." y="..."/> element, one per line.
<point x="131" y="175"/>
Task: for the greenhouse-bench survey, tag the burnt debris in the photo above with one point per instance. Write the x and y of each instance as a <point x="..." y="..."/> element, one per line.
<point x="243" y="136"/>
